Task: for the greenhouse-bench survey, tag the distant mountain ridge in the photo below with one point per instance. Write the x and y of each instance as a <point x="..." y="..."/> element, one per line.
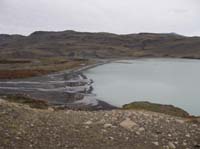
<point x="74" y="44"/>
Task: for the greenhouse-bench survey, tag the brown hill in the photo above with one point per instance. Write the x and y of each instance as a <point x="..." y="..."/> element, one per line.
<point x="98" y="45"/>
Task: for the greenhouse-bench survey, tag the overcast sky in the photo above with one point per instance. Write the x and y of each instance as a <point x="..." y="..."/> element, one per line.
<point x="116" y="16"/>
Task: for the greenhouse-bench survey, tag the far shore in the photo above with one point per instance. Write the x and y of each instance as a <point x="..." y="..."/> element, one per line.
<point x="13" y="69"/>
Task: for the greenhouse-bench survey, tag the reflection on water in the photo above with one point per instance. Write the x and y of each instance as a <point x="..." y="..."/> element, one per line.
<point x="165" y="81"/>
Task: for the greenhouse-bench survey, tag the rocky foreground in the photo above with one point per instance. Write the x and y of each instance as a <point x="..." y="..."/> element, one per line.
<point x="22" y="127"/>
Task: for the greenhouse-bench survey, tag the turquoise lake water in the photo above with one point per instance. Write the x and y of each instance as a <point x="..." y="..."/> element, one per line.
<point x="165" y="81"/>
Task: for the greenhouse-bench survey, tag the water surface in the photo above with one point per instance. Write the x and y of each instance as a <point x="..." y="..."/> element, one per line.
<point x="165" y="81"/>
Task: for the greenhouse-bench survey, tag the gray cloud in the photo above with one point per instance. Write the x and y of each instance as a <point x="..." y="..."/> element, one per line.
<point x="127" y="16"/>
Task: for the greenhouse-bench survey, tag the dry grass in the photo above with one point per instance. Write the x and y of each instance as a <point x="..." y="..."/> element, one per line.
<point x="5" y="61"/>
<point x="14" y="74"/>
<point x="166" y="109"/>
<point x="44" y="66"/>
<point x="25" y="99"/>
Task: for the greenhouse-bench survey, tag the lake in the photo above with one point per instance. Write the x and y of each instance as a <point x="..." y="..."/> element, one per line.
<point x="164" y="81"/>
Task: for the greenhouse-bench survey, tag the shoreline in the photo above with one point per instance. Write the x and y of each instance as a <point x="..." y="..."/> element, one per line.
<point x="174" y="107"/>
<point x="104" y="104"/>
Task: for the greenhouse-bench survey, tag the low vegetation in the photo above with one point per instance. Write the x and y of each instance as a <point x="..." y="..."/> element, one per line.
<point x="97" y="45"/>
<point x="10" y="69"/>
<point x="166" y="109"/>
<point x="25" y="99"/>
<point x="13" y="61"/>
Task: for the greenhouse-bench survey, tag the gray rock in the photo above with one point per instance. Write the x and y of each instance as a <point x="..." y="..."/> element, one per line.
<point x="87" y="127"/>
<point x="128" y="124"/>
<point x="171" y="145"/>
<point x="155" y="143"/>
<point x="169" y="135"/>
<point x="184" y="143"/>
<point x="187" y="135"/>
<point x="137" y="133"/>
<point x="141" y="129"/>
<point x="180" y="121"/>
<point x="103" y="130"/>
<point x="108" y="126"/>
<point x="88" y="123"/>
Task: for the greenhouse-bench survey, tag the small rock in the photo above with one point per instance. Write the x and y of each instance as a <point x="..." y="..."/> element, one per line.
<point x="176" y="142"/>
<point x="103" y="130"/>
<point x="2" y="101"/>
<point x="59" y="144"/>
<point x="167" y="121"/>
<point x="194" y="125"/>
<point x="169" y="135"/>
<point x="155" y="135"/>
<point x="141" y="129"/>
<point x="180" y="121"/>
<point x="128" y="124"/>
<point x="111" y="138"/>
<point x="106" y="115"/>
<point x="171" y="145"/>
<point x="184" y="143"/>
<point x="88" y="123"/>
<point x="87" y="127"/>
<point x="102" y="121"/>
<point x="108" y="126"/>
<point x="155" y="143"/>
<point x="137" y="133"/>
<point x="187" y="135"/>
<point x="51" y="109"/>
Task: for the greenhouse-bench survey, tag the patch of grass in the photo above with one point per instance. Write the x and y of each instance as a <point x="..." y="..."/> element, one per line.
<point x="14" y="74"/>
<point x="24" y="99"/>
<point x="166" y="109"/>
<point x="13" y="61"/>
<point x="194" y="119"/>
